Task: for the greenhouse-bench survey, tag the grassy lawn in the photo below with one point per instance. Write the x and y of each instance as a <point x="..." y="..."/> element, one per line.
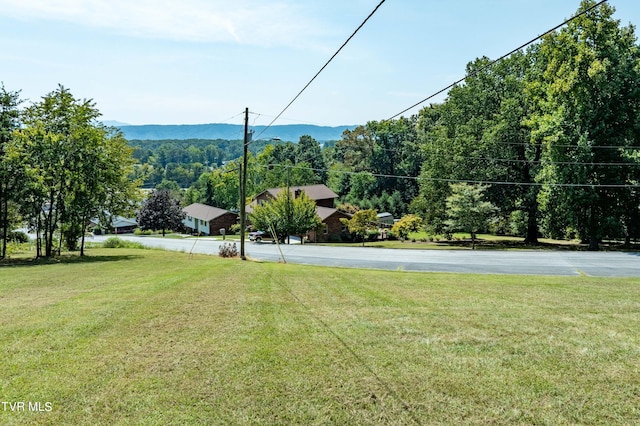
<point x="150" y="337"/>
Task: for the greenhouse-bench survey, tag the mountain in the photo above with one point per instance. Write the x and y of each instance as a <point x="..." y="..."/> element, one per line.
<point x="290" y="132"/>
<point x="115" y="123"/>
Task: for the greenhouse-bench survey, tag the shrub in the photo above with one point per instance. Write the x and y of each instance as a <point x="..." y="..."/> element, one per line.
<point x="228" y="250"/>
<point x="234" y="229"/>
<point x="18" y="237"/>
<point x="139" y="231"/>
<point x="115" y="242"/>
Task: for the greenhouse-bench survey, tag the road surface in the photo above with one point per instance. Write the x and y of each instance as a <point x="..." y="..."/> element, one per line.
<point x="521" y="262"/>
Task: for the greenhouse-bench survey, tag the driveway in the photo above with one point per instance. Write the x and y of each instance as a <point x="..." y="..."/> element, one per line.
<point x="521" y="262"/>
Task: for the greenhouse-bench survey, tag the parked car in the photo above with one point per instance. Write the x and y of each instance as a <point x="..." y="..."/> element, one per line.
<point x="259" y="236"/>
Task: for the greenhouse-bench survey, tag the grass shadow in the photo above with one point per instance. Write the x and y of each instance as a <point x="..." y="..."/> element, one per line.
<point x="64" y="259"/>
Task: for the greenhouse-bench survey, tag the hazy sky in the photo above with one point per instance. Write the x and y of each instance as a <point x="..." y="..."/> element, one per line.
<point x="204" y="61"/>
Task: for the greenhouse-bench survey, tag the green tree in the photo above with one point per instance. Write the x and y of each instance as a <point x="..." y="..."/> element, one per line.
<point x="287" y="214"/>
<point x="361" y="223"/>
<point x="309" y="151"/>
<point x="102" y="185"/>
<point x="467" y="211"/>
<point x="409" y="223"/>
<point x="71" y="168"/>
<point x="161" y="210"/>
<point x="9" y="123"/>
<point x="588" y="102"/>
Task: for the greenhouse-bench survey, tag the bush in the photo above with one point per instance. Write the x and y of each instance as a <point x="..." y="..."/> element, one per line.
<point x="228" y="250"/>
<point x="139" y="231"/>
<point x="234" y="229"/>
<point x="115" y="242"/>
<point x="18" y="237"/>
<point x="373" y="235"/>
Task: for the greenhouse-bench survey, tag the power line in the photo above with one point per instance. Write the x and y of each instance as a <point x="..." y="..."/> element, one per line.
<point x="321" y="69"/>
<point x="447" y="180"/>
<point x="499" y="59"/>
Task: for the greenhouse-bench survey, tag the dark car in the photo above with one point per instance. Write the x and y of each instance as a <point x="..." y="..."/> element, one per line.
<point x="258" y="236"/>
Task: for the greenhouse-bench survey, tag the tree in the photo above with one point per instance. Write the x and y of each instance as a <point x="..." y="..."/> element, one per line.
<point x="409" y="223"/>
<point x="287" y="214"/>
<point x="71" y="168"/>
<point x="588" y="100"/>
<point x="161" y="210"/>
<point x="308" y="151"/>
<point x="102" y="185"/>
<point x="362" y="222"/>
<point x="9" y="122"/>
<point x="467" y="211"/>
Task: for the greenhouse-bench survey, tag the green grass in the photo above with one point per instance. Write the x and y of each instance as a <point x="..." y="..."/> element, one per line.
<point x="151" y="337"/>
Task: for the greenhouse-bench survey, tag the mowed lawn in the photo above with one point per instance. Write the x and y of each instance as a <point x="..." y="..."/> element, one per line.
<point x="151" y="337"/>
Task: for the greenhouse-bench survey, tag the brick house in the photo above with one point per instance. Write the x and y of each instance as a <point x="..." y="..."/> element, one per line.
<point x="323" y="196"/>
<point x="207" y="220"/>
<point x="325" y="201"/>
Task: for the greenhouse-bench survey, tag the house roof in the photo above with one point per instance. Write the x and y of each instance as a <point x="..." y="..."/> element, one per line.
<point x="122" y="222"/>
<point x="325" y="212"/>
<point x="204" y="212"/>
<point x="314" y="192"/>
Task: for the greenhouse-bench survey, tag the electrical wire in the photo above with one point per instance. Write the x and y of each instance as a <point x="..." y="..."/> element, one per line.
<point x="446" y="180"/>
<point x="489" y="65"/>
<point x="321" y="69"/>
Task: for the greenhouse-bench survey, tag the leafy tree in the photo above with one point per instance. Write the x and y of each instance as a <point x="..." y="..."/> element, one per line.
<point x="102" y="184"/>
<point x="588" y="100"/>
<point x="9" y="122"/>
<point x="161" y="210"/>
<point x="308" y="151"/>
<point x="361" y="223"/>
<point x="467" y="210"/>
<point x="480" y="134"/>
<point x="71" y="168"/>
<point x="287" y="214"/>
<point x="409" y="223"/>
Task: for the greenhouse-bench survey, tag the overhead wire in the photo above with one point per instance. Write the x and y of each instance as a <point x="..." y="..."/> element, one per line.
<point x="448" y="180"/>
<point x="490" y="64"/>
<point x="321" y="69"/>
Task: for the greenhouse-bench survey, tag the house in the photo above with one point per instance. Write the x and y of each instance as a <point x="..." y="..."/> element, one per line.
<point x="207" y="220"/>
<point x="324" y="198"/>
<point x="385" y="220"/>
<point x="123" y="225"/>
<point x="331" y="228"/>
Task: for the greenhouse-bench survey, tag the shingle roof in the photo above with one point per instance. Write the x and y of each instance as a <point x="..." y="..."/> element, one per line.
<point x="325" y="212"/>
<point x="204" y="212"/>
<point x="314" y="192"/>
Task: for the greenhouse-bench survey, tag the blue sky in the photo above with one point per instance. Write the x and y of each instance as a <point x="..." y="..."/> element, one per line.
<point x="204" y="61"/>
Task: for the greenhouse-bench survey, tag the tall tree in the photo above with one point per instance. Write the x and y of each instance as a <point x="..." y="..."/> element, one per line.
<point x="589" y="103"/>
<point x="72" y="168"/>
<point x="48" y="148"/>
<point x="161" y="211"/>
<point x="9" y="123"/>
<point x="309" y="151"/>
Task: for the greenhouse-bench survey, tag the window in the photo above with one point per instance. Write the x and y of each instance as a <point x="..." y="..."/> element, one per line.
<point x="325" y="231"/>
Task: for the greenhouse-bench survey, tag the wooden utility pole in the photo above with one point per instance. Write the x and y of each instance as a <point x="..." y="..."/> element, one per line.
<point x="243" y="184"/>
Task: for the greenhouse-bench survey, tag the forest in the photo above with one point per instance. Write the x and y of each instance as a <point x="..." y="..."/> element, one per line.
<point x="550" y="134"/>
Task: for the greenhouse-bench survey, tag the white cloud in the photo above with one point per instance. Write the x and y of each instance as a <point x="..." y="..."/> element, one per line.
<point x="241" y="21"/>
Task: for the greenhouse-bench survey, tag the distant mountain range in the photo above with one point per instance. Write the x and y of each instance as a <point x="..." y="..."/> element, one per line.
<point x="291" y="132"/>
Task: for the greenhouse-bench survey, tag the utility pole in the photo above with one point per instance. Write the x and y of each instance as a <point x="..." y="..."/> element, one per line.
<point x="243" y="184"/>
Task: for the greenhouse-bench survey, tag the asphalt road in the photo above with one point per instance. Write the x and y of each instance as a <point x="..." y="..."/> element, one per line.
<point x="521" y="262"/>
